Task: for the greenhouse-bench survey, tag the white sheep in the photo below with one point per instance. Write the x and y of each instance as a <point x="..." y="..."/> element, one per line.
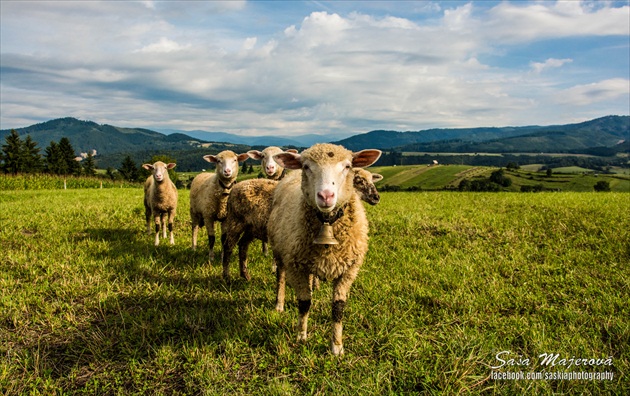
<point x="270" y="167"/>
<point x="249" y="206"/>
<point x="209" y="194"/>
<point x="323" y="198"/>
<point x="160" y="198"/>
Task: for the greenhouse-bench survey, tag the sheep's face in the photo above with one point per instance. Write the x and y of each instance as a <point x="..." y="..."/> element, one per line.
<point x="364" y="184"/>
<point x="227" y="163"/>
<point x="159" y="170"/>
<point x="269" y="165"/>
<point x="327" y="177"/>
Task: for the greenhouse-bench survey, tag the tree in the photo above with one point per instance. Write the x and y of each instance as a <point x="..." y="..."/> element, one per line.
<point x="67" y="155"/>
<point x="250" y="170"/>
<point x="129" y="169"/>
<point x="602" y="185"/>
<point x="89" y="167"/>
<point x="499" y="178"/>
<point x="13" y="153"/>
<point x="54" y="162"/>
<point x="549" y="172"/>
<point x="244" y="168"/>
<point x="33" y="161"/>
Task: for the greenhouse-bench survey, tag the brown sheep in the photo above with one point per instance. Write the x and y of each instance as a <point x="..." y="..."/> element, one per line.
<point x="160" y="198"/>
<point x="324" y="196"/>
<point x="209" y="194"/>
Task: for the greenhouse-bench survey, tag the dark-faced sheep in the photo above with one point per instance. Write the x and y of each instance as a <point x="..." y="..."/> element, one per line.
<point x="324" y="198"/>
<point x="160" y="199"/>
<point x="209" y="194"/>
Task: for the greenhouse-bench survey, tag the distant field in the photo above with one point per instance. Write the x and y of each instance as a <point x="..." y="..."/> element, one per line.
<point x="448" y="176"/>
<point x="89" y="306"/>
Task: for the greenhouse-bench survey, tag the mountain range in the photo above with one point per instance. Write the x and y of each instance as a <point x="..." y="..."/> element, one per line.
<point x="602" y="136"/>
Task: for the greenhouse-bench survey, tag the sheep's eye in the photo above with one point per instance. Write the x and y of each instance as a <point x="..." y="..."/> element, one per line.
<point x="305" y="167"/>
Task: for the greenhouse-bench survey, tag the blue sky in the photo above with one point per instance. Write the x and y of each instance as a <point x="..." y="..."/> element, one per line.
<point x="288" y="68"/>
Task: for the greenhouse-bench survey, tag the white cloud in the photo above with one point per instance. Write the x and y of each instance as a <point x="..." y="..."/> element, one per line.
<point x="164" y="45"/>
<point x="550" y="63"/>
<point x="587" y="94"/>
<point x="324" y="72"/>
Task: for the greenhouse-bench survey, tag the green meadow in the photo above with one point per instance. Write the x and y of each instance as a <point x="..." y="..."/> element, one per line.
<point x="89" y="306"/>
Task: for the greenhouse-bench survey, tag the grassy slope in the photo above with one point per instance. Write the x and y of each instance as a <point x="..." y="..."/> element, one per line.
<point x="88" y="305"/>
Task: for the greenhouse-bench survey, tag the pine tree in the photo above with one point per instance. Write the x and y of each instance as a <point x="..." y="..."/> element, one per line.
<point x="13" y="154"/>
<point x="129" y="169"/>
<point x="33" y="162"/>
<point x="68" y="156"/>
<point x="244" y="168"/>
<point x="54" y="164"/>
<point x="89" y="167"/>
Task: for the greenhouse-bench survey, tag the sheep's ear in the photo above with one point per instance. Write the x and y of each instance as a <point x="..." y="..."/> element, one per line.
<point x="242" y="157"/>
<point x="147" y="166"/>
<point x="210" y="158"/>
<point x="294" y="151"/>
<point x="255" y="154"/>
<point x="365" y="158"/>
<point x="288" y="160"/>
<point x="376" y="177"/>
<point x="171" y="165"/>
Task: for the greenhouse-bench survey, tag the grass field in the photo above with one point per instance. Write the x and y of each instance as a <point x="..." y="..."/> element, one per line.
<point x="89" y="306"/>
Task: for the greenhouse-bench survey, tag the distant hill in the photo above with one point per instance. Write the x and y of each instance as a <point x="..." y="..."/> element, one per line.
<point x="106" y="139"/>
<point x="602" y="136"/>
<point x="601" y="132"/>
<point x="113" y="143"/>
<point x="264" y="140"/>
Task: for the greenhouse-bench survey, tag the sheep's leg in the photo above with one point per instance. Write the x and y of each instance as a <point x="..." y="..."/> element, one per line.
<point x="243" y="246"/>
<point x="171" y="218"/>
<point x="147" y="216"/>
<point x="303" y="291"/>
<point x="265" y="250"/>
<point x="211" y="238"/>
<point x="195" y="230"/>
<point x="281" y="279"/>
<point x="228" y="241"/>
<point x="341" y="286"/>
<point x="156" y="219"/>
<point x="163" y="222"/>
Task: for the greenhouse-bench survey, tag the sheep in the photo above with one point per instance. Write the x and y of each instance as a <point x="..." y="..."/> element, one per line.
<point x="323" y="199"/>
<point x="247" y="214"/>
<point x="249" y="206"/>
<point x="363" y="182"/>
<point x="270" y="167"/>
<point x="209" y="194"/>
<point x="160" y="198"/>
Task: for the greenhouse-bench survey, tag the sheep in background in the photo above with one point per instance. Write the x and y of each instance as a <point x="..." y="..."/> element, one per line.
<point x="325" y="196"/>
<point x="363" y="182"/>
<point x="209" y="194"/>
<point x="249" y="206"/>
<point x="270" y="167"/>
<point x="160" y="198"/>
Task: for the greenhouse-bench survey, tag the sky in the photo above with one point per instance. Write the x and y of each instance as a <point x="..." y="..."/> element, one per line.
<point x="324" y="67"/>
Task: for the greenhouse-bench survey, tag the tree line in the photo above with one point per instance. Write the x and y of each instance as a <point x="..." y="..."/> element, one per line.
<point x="59" y="158"/>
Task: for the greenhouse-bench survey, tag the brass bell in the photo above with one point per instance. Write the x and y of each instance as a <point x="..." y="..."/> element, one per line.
<point x="326" y="236"/>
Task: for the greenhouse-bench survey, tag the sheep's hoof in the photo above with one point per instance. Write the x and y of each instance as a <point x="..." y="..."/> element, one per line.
<point x="279" y="307"/>
<point x="336" y="350"/>
<point x="301" y="336"/>
<point x="246" y="275"/>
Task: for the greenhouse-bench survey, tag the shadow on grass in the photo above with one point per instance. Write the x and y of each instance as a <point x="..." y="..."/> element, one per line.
<point x="155" y="297"/>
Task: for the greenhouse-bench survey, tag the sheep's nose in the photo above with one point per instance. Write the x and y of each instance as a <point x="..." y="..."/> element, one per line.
<point x="271" y="170"/>
<point x="326" y="197"/>
<point x="227" y="172"/>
